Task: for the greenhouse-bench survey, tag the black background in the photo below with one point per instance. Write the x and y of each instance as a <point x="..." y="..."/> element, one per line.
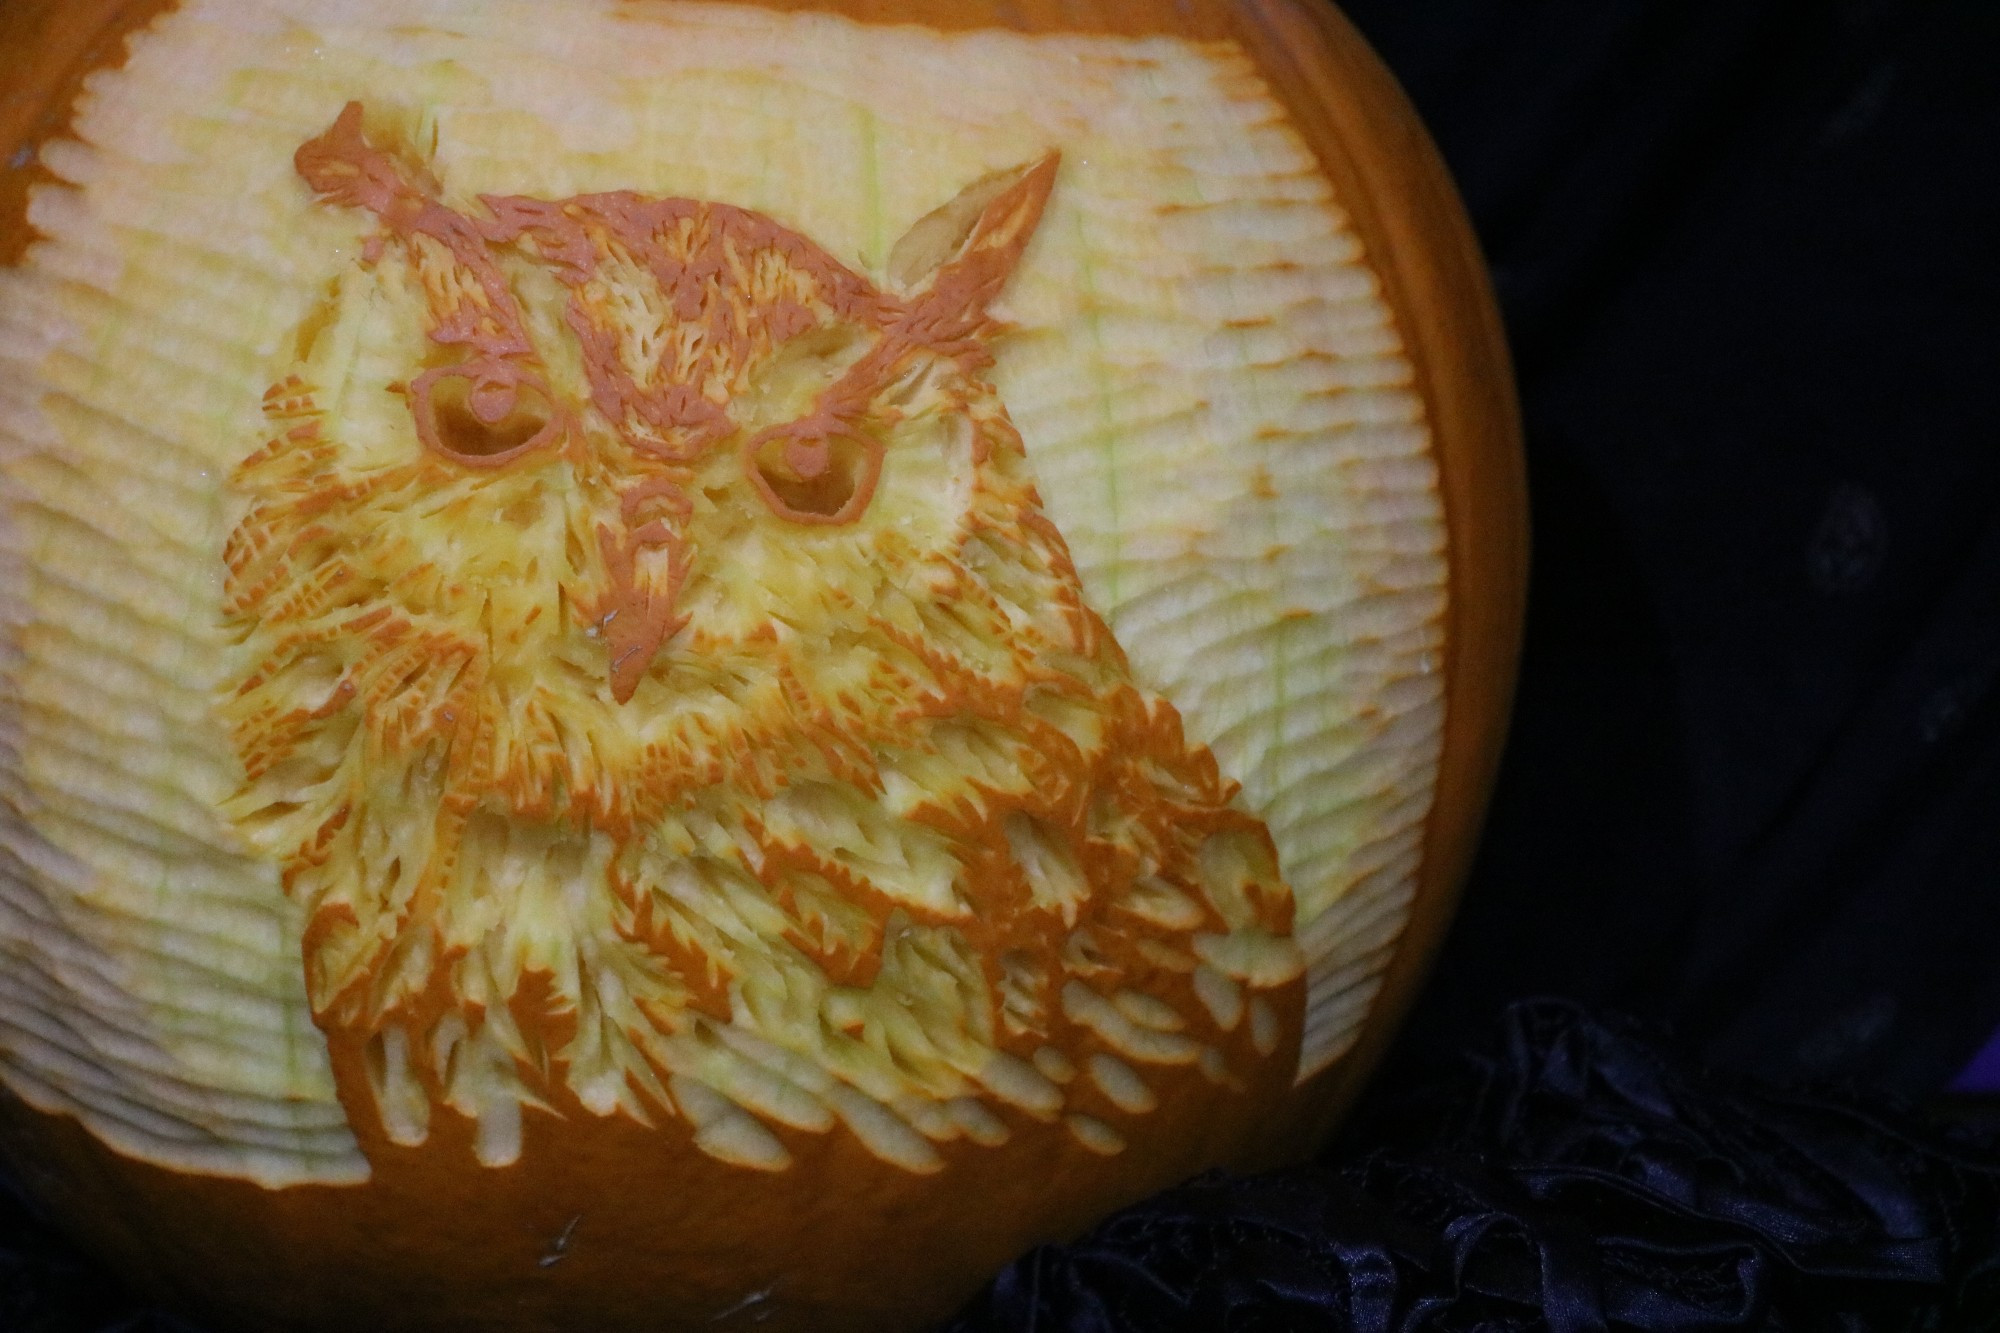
<point x="1746" y="254"/>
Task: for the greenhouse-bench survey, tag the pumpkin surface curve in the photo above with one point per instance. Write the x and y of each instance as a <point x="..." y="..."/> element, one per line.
<point x="676" y="664"/>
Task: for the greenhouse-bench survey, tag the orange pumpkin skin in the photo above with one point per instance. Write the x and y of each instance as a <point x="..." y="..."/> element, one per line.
<point x="604" y="1224"/>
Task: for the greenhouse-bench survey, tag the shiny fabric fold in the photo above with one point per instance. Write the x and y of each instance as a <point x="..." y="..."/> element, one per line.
<point x="1582" y="1176"/>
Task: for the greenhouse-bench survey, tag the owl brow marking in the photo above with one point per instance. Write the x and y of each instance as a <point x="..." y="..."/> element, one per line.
<point x="707" y="286"/>
<point x="948" y="319"/>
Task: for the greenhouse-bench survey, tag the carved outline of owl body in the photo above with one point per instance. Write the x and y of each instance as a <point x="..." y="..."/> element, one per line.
<point x="670" y="699"/>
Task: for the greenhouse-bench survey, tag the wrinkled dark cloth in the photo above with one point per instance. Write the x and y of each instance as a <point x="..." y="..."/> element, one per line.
<point x="1583" y="1177"/>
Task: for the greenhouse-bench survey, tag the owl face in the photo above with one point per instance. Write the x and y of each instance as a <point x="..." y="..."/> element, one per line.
<point x="705" y="400"/>
<point x="649" y="612"/>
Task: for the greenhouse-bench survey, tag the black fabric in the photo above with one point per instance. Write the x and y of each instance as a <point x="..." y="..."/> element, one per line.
<point x="1746" y="252"/>
<point x="1584" y="1177"/>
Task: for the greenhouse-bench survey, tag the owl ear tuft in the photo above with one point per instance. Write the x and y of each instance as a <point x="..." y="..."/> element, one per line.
<point x="979" y="235"/>
<point x="348" y="164"/>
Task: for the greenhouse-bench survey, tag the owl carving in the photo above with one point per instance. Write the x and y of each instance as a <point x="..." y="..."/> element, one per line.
<point x="666" y="697"/>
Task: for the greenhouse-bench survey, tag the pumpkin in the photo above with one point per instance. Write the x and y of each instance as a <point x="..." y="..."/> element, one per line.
<point x="683" y="663"/>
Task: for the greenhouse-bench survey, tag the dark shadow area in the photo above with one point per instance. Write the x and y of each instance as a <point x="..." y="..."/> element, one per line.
<point x="1745" y="251"/>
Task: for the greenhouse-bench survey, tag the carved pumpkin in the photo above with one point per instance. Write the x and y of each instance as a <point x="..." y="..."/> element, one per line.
<point x="676" y="663"/>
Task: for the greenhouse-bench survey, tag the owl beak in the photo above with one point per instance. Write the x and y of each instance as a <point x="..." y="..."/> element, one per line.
<point x="646" y="564"/>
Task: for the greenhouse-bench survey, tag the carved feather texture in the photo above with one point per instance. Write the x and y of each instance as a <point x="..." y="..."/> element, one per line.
<point x="699" y="715"/>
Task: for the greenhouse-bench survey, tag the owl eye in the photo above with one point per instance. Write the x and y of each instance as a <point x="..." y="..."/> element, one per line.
<point x="482" y="414"/>
<point x="814" y="478"/>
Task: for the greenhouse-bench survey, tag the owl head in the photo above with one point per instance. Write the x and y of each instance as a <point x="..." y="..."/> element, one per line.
<point x="649" y="365"/>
